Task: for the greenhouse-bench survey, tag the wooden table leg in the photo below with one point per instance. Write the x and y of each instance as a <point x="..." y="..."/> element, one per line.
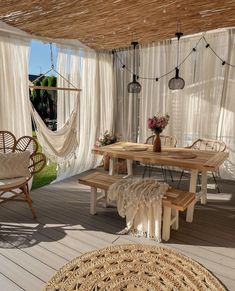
<point x="129" y="168"/>
<point x="112" y="162"/>
<point x="204" y="188"/>
<point x="192" y="188"/>
<point x="166" y="225"/>
<point x="93" y="200"/>
<point x="175" y="214"/>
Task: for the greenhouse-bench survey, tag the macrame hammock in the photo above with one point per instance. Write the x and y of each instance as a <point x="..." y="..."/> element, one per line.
<point x="59" y="146"/>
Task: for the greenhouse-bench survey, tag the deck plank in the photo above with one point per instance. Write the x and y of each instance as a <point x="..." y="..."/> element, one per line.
<point x="34" y="250"/>
<point x="64" y="229"/>
<point x="8" y="285"/>
<point x="26" y="280"/>
<point x="28" y="263"/>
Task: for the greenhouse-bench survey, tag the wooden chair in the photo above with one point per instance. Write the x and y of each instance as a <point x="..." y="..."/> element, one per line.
<point x="18" y="187"/>
<point x="7" y="142"/>
<point x="207" y="144"/>
<point x="166" y="141"/>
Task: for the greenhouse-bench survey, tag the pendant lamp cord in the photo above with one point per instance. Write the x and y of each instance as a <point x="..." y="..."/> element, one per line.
<point x="178" y="35"/>
<point x="134" y="61"/>
<point x="134" y="43"/>
<point x="178" y="46"/>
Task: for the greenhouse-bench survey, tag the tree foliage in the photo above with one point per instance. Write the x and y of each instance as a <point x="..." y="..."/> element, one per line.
<point x="44" y="101"/>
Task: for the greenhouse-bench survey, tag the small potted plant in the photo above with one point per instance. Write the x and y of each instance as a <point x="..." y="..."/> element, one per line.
<point x="106" y="139"/>
<point x="157" y="124"/>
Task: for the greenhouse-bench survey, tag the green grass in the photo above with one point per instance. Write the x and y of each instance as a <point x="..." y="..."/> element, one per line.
<point x="46" y="176"/>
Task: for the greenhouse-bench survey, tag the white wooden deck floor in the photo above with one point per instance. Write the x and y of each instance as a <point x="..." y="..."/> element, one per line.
<point x="32" y="250"/>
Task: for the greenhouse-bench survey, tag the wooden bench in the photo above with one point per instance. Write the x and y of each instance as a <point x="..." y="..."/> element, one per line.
<point x="174" y="201"/>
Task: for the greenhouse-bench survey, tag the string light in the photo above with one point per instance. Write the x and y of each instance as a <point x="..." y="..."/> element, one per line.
<point x="194" y="49"/>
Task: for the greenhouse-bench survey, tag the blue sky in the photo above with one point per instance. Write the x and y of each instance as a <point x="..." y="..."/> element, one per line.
<point x="39" y="61"/>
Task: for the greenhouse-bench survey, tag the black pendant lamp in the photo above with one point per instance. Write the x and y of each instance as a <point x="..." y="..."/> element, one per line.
<point x="134" y="86"/>
<point x="177" y="83"/>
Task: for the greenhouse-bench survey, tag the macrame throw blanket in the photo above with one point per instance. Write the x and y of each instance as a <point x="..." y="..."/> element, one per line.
<point x="140" y="201"/>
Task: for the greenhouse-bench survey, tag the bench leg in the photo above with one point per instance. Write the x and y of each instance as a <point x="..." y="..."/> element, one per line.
<point x="175" y="214"/>
<point x="93" y="200"/>
<point x="190" y="212"/>
<point x="204" y="188"/>
<point x="192" y="188"/>
<point x="111" y="166"/>
<point x="166" y="223"/>
<point x="129" y="168"/>
<point x="105" y="203"/>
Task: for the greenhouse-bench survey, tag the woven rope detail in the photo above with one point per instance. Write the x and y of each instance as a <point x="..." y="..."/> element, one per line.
<point x="133" y="268"/>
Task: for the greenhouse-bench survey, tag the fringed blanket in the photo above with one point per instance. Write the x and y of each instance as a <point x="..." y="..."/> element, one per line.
<point x="140" y="201"/>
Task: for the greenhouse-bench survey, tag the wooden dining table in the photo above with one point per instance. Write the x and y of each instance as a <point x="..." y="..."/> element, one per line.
<point x="194" y="160"/>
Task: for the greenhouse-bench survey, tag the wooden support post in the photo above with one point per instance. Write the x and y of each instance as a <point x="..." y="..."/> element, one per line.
<point x="175" y="214"/>
<point x="104" y="193"/>
<point x="204" y="188"/>
<point x="93" y="200"/>
<point x="166" y="223"/>
<point x="193" y="181"/>
<point x="192" y="189"/>
<point x="112" y="162"/>
<point x="129" y="168"/>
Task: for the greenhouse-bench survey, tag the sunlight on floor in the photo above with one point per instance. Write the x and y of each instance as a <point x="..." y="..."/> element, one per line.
<point x="219" y="196"/>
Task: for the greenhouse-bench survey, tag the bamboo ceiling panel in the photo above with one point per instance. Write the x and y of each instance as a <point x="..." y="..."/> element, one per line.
<point x="106" y="24"/>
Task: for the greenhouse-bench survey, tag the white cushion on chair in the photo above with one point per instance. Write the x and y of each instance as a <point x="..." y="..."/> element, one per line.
<point x="12" y="183"/>
<point x="13" y="165"/>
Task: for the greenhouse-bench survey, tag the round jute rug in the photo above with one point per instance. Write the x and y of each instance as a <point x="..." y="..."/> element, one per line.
<point x="133" y="268"/>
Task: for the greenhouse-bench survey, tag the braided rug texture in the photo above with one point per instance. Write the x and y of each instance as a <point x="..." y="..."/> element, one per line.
<point x="133" y="268"/>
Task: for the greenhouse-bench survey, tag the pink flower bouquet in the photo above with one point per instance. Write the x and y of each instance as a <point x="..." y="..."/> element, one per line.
<point x="158" y="123"/>
<point x="106" y="139"/>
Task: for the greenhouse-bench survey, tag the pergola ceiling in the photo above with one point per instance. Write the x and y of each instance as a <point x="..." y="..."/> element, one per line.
<point x="107" y="24"/>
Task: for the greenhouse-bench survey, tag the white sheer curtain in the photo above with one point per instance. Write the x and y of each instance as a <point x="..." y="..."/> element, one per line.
<point x="154" y="61"/>
<point x="226" y="125"/>
<point x="206" y="106"/>
<point x="14" y="92"/>
<point x="92" y="72"/>
<point x="126" y="105"/>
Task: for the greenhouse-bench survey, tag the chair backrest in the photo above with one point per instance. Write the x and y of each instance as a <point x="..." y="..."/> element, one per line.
<point x="208" y="145"/>
<point x="166" y="140"/>
<point x="26" y="143"/>
<point x="7" y="142"/>
<point x="37" y="160"/>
